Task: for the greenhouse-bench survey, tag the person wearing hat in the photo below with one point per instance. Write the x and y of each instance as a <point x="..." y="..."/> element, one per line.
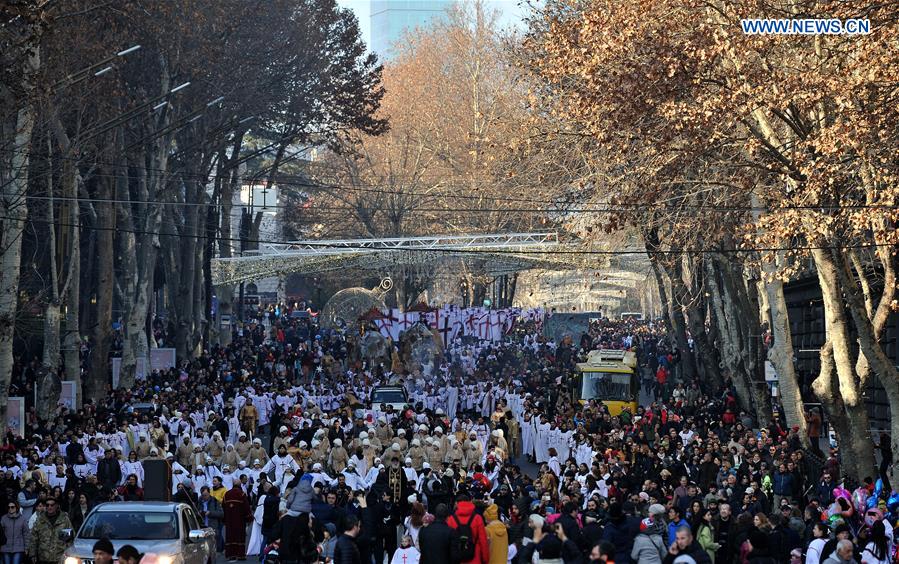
<point x="45" y="545"/>
<point x="103" y="551"/>
<point x="283" y="438"/>
<point x="338" y="458"/>
<point x="841" y="532"/>
<point x="497" y="535"/>
<point x="649" y="544"/>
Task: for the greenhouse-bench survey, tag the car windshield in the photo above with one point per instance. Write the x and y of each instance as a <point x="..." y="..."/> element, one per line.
<point x="608" y="386"/>
<point x="388" y="396"/>
<point x="130" y="525"/>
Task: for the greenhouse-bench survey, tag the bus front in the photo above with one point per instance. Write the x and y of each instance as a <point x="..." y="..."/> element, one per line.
<point x="612" y="386"/>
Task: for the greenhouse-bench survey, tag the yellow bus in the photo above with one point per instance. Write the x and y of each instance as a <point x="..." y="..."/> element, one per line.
<point x="608" y="376"/>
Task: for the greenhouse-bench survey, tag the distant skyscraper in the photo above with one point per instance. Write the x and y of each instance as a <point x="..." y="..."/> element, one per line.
<point x="391" y="18"/>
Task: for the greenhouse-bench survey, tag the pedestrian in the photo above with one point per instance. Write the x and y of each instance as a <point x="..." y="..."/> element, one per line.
<point x="406" y="553"/>
<point x="685" y="545"/>
<point x="497" y="535"/>
<point x="103" y="551"/>
<point x="649" y="545"/>
<point x="45" y="545"/>
<point x="470" y="532"/>
<point x="346" y="551"/>
<point x="211" y="515"/>
<point x="436" y="540"/>
<point x="877" y="551"/>
<point x="16" y="533"/>
<point x="843" y="554"/>
<point x="237" y="514"/>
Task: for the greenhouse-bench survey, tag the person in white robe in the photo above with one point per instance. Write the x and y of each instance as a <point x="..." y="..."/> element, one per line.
<point x="406" y="553"/>
<point x="527" y="434"/>
<point x="254" y="546"/>
<point x="134" y="467"/>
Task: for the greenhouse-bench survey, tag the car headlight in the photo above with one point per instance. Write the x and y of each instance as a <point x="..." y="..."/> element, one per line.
<point x="162" y="559"/>
<point x="72" y="560"/>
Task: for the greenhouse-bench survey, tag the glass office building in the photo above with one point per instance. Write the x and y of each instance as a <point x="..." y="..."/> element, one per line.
<point x="391" y="18"/>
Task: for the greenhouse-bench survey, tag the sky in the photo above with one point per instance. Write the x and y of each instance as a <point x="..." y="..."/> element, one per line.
<point x="511" y="13"/>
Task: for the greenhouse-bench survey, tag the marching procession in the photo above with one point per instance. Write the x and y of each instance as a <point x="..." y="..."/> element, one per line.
<point x="491" y="459"/>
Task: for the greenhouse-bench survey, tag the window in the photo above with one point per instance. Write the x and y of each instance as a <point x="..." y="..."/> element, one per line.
<point x="606" y="386"/>
<point x="192" y="519"/>
<point x="128" y="525"/>
<point x="388" y="396"/>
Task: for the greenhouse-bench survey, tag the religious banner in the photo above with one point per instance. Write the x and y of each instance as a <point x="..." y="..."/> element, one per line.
<point x="15" y="415"/>
<point x="68" y="396"/>
<point x="140" y="371"/>
<point x="452" y="322"/>
<point x="162" y="359"/>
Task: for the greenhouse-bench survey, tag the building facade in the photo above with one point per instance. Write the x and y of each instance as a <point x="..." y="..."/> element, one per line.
<point x="390" y="19"/>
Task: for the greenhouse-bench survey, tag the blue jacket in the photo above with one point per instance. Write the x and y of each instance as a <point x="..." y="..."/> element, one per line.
<point x="673" y="527"/>
<point x="783" y="483"/>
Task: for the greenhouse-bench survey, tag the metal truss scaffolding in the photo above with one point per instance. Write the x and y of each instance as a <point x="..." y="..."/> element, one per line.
<point x="497" y="253"/>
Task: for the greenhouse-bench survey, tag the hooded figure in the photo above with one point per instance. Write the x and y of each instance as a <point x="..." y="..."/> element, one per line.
<point x="435" y="457"/>
<point x="300" y="498"/>
<point x="417" y="454"/>
<point x="256" y="451"/>
<point x="649" y="544"/>
<point x="338" y="458"/>
<point x="185" y="452"/>
<point x="497" y="535"/>
<point x="455" y="454"/>
<point x="474" y="453"/>
<point x="216" y="447"/>
<point x="230" y="457"/>
<point x="401" y="439"/>
<point x="243" y="447"/>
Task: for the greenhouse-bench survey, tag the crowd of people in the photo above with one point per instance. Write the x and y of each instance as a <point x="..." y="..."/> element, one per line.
<point x="272" y="441"/>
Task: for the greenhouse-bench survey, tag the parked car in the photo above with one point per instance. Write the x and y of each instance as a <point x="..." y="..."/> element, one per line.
<point x="171" y="530"/>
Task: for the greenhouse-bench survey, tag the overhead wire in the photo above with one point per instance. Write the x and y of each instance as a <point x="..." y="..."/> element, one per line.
<point x="613" y="208"/>
<point x="380" y="189"/>
<point x="549" y="251"/>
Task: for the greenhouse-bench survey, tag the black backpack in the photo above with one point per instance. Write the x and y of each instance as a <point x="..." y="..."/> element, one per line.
<point x="463" y="540"/>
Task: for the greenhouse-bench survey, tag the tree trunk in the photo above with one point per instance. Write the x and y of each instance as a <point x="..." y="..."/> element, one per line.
<point x="868" y="338"/>
<point x="781" y="353"/>
<point x="826" y="387"/>
<point x="13" y="186"/>
<point x="679" y="297"/>
<point x="105" y="268"/>
<point x="838" y="334"/>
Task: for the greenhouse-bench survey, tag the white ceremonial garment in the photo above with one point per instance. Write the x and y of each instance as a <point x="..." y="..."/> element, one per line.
<point x="255" y="547"/>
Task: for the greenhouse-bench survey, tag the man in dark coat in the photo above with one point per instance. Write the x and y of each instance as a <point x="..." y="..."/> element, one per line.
<point x="435" y="540"/>
<point x="346" y="551"/>
<point x="109" y="472"/>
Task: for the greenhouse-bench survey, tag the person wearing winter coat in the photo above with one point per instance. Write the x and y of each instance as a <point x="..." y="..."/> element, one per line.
<point x="497" y="536"/>
<point x="300" y="498"/>
<point x="45" y="545"/>
<point x="15" y="528"/>
<point x="649" y="544"/>
<point x="617" y="532"/>
<point x="465" y="515"/>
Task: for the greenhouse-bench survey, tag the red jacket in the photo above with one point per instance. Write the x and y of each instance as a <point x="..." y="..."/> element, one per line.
<point x="465" y="513"/>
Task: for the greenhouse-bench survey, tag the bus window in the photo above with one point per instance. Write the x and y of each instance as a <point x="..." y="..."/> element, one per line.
<point x="607" y="386"/>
